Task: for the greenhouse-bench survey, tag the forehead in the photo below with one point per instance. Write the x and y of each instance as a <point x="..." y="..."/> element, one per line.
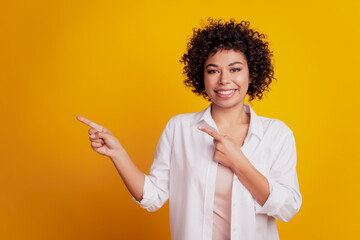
<point x="226" y="56"/>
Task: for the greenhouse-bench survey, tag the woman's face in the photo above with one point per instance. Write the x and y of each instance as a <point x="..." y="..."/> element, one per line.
<point x="226" y="78"/>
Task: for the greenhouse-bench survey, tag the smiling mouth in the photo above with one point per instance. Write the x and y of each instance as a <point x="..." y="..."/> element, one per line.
<point x="227" y="92"/>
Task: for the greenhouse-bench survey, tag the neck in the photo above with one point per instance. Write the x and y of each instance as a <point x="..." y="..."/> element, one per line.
<point x="229" y="116"/>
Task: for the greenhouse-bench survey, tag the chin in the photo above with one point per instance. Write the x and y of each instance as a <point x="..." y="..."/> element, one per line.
<point x="227" y="104"/>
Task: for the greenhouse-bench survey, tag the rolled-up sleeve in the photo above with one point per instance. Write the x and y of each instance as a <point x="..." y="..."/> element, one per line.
<point x="156" y="186"/>
<point x="285" y="199"/>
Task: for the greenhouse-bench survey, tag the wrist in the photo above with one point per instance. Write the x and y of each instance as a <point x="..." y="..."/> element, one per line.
<point x="118" y="156"/>
<point x="240" y="165"/>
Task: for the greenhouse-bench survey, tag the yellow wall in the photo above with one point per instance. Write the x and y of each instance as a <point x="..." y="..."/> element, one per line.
<point x="117" y="63"/>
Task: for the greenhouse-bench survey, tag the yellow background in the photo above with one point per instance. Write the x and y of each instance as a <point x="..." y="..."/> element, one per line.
<point x="117" y="63"/>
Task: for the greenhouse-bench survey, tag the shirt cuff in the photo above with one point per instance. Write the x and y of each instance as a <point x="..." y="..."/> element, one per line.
<point x="276" y="205"/>
<point x="147" y="197"/>
<point x="269" y="206"/>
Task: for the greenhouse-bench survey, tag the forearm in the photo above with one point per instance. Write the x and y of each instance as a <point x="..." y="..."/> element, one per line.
<point x="133" y="178"/>
<point x="252" y="179"/>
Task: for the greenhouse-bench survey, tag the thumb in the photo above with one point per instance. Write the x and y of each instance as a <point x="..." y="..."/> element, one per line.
<point x="102" y="135"/>
<point x="110" y="140"/>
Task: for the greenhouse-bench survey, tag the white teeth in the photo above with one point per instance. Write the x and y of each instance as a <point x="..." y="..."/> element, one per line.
<point x="226" y="92"/>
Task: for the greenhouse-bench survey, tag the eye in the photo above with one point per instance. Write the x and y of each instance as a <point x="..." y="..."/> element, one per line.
<point x="235" y="70"/>
<point x="211" y="71"/>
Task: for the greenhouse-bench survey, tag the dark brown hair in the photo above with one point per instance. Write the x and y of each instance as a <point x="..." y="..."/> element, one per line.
<point x="218" y="35"/>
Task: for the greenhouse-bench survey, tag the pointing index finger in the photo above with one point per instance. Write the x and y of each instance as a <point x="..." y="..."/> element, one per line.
<point x="212" y="133"/>
<point x="90" y="123"/>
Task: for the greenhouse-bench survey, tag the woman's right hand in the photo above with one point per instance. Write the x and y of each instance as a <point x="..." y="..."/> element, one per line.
<point x="102" y="140"/>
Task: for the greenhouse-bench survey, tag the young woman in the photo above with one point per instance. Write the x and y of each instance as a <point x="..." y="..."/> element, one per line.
<point x="227" y="172"/>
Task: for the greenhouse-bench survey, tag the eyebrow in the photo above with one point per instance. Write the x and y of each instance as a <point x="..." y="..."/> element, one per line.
<point x="214" y="65"/>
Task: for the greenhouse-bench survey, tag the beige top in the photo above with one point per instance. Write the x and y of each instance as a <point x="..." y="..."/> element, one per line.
<point x="222" y="203"/>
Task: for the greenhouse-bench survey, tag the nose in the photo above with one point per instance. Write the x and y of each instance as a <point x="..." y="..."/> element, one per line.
<point x="224" y="78"/>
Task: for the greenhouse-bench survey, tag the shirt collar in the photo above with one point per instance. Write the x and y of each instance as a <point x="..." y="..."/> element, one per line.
<point x="255" y="127"/>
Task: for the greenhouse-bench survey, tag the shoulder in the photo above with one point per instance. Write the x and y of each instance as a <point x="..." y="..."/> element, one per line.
<point x="275" y="127"/>
<point x="180" y="123"/>
<point x="185" y="118"/>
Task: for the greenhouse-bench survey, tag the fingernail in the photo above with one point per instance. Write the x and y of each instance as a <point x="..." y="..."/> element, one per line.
<point x="92" y="135"/>
<point x="200" y="127"/>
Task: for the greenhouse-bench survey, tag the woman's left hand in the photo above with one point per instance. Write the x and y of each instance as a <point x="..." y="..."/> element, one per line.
<point x="227" y="151"/>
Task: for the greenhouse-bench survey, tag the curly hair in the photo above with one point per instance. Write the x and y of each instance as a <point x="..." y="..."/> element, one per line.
<point x="230" y="35"/>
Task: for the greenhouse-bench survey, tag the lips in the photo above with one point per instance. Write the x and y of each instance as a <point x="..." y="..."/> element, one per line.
<point x="225" y="94"/>
<point x="223" y="89"/>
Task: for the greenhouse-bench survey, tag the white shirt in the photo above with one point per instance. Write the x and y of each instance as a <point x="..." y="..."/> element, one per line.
<point x="184" y="171"/>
